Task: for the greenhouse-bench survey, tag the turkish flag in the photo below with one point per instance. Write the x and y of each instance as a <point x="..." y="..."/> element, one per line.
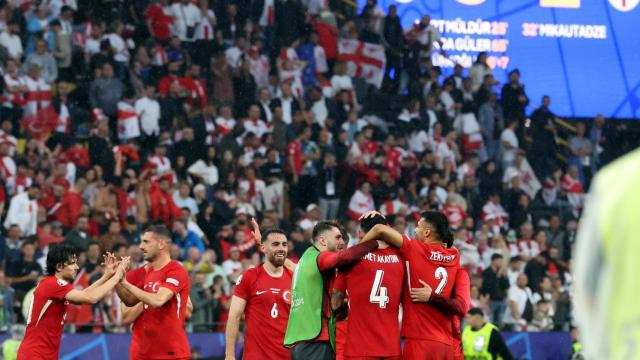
<point x="41" y="123"/>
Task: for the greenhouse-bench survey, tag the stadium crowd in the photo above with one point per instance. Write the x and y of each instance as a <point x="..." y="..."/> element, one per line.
<point x="201" y="115"/>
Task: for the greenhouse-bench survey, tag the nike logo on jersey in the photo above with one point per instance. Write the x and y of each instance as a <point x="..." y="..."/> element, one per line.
<point x="260" y="292"/>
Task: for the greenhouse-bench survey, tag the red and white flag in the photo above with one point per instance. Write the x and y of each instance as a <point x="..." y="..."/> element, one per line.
<point x="41" y="123"/>
<point x="128" y="124"/>
<point x="363" y="60"/>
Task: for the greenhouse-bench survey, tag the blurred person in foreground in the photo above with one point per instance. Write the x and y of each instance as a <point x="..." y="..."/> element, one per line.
<point x="606" y="281"/>
<point x="11" y="345"/>
<point x="48" y="308"/>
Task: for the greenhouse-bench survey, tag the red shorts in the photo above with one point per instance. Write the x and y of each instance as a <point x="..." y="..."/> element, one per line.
<point x="341" y="339"/>
<point x="373" y="358"/>
<point x="418" y="349"/>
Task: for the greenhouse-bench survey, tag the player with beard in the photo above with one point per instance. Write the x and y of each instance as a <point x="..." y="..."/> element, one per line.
<point x="263" y="295"/>
<point x="311" y="332"/>
<point x="163" y="287"/>
<point x="48" y="307"/>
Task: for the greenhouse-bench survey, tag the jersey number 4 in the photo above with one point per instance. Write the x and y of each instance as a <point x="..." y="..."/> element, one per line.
<point x="378" y="292"/>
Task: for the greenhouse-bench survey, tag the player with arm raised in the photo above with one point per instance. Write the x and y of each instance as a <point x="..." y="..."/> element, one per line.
<point x="374" y="286"/>
<point x="431" y="263"/>
<point x="163" y="287"/>
<point x="48" y="307"/>
<point x="263" y="295"/>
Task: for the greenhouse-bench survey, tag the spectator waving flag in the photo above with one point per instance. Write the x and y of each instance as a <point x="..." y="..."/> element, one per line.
<point x="363" y="60"/>
<point x="41" y="123"/>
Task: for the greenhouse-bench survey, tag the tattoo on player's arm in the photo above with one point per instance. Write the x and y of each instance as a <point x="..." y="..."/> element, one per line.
<point x="337" y="299"/>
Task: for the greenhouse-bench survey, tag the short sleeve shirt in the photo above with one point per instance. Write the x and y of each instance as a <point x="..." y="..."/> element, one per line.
<point x="45" y="320"/>
<point x="267" y="312"/>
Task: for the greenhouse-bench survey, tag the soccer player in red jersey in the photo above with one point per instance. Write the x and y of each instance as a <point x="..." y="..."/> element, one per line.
<point x="163" y="287"/>
<point x="457" y="306"/>
<point x="48" y="307"/>
<point x="327" y="238"/>
<point x="374" y="286"/>
<point x="129" y="316"/>
<point x="432" y="264"/>
<point x="263" y="294"/>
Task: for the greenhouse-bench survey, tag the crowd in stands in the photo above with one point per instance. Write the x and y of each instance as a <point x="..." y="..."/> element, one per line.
<point x="201" y="115"/>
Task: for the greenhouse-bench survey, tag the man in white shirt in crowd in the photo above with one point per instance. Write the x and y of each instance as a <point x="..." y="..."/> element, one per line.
<point x="11" y="40"/>
<point x="254" y="124"/>
<point x="426" y="34"/>
<point x="288" y="103"/>
<point x="234" y="54"/>
<point x="509" y="144"/>
<point x="183" y="200"/>
<point x="186" y="18"/>
<point x="517" y="303"/>
<point x="148" y="110"/>
<point x="233" y="266"/>
<point x="23" y="211"/>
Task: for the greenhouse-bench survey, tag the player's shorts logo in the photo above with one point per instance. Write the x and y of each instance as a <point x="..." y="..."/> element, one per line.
<point x="624" y="5"/>
<point x="286" y="296"/>
<point x="471" y="2"/>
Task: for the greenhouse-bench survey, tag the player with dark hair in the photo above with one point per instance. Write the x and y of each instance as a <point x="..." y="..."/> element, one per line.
<point x="48" y="307"/>
<point x="163" y="287"/>
<point x="263" y="294"/>
<point x="432" y="263"/>
<point x="374" y="286"/>
<point x="311" y="326"/>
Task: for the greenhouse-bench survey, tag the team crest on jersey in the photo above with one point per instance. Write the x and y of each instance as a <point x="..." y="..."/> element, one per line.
<point x="62" y="282"/>
<point x="440" y="257"/>
<point x="286" y="296"/>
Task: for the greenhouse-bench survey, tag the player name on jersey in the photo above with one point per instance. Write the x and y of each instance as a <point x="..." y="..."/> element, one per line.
<point x="440" y="257"/>
<point x="383" y="259"/>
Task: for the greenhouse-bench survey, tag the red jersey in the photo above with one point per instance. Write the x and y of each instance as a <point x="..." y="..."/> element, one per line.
<point x="374" y="286"/>
<point x="159" y="332"/>
<point x="45" y="320"/>
<point x="160" y="21"/>
<point x="294" y="149"/>
<point x="438" y="267"/>
<point x="69" y="210"/>
<point x="267" y="312"/>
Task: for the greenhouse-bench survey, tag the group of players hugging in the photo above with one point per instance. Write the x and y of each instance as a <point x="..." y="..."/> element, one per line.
<point x="335" y="303"/>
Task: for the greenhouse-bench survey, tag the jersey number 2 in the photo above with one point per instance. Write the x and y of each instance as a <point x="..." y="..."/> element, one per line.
<point x="378" y="292"/>
<point x="441" y="274"/>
